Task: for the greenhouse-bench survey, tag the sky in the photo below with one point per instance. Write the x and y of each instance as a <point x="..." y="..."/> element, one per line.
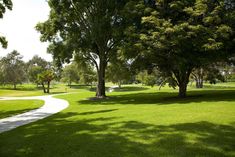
<point x="18" y="26"/>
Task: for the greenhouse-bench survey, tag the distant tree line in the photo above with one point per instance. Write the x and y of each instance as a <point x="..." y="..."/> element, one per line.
<point x="14" y="71"/>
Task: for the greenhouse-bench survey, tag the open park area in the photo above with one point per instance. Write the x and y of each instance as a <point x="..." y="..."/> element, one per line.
<point x="134" y="121"/>
<point x="117" y="78"/>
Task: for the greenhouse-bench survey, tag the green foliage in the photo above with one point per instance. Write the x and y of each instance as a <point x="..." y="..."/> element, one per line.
<point x="87" y="76"/>
<point x="89" y="29"/>
<point x="119" y="72"/>
<point x="147" y="79"/>
<point x="45" y="78"/>
<point x="36" y="66"/>
<point x="178" y="36"/>
<point x="12" y="69"/>
<point x="70" y="74"/>
<point x="150" y="80"/>
<point x="33" y="73"/>
<point x="4" y="4"/>
<point x="141" y="76"/>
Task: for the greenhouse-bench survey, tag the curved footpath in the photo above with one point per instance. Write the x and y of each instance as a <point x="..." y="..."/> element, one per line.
<point x="51" y="106"/>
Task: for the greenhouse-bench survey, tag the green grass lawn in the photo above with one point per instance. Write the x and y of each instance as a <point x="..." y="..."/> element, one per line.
<point x="12" y="107"/>
<point x="32" y="90"/>
<point x="135" y="121"/>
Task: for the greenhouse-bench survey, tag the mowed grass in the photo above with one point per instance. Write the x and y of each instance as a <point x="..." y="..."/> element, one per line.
<point x="12" y="107"/>
<point x="134" y="122"/>
<point x="32" y="90"/>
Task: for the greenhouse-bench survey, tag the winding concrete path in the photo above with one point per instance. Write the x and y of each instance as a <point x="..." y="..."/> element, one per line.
<point x="52" y="105"/>
<point x="111" y="89"/>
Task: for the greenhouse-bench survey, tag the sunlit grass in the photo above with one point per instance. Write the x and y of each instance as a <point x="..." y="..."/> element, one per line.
<point x="32" y="90"/>
<point x="12" y="107"/>
<point x="134" y="121"/>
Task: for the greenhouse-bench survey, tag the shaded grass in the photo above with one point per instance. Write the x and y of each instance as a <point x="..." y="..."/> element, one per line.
<point x="12" y="107"/>
<point x="155" y="123"/>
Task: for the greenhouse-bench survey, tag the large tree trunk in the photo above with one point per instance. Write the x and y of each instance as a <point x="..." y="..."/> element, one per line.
<point x="183" y="89"/>
<point x="44" y="89"/>
<point x="183" y="80"/>
<point x="100" y="92"/>
<point x="48" y="87"/>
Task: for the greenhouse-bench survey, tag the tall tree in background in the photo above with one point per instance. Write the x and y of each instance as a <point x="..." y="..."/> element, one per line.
<point x="70" y="74"/>
<point x="36" y="66"/>
<point x="88" y="29"/>
<point x="119" y="72"/>
<point x="12" y="68"/>
<point x="4" y="5"/>
<point x="178" y="36"/>
<point x="45" y="79"/>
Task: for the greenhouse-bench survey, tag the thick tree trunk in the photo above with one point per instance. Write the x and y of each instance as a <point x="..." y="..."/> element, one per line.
<point x="182" y="89"/>
<point x="48" y="87"/>
<point x="183" y="80"/>
<point x="44" y="89"/>
<point x="100" y="92"/>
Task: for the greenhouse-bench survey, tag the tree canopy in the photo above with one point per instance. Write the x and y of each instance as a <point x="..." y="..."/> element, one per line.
<point x="88" y="29"/>
<point x="178" y="36"/>
<point x="13" y="69"/>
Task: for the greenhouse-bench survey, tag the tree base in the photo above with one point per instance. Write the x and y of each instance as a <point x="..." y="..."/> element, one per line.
<point x="98" y="98"/>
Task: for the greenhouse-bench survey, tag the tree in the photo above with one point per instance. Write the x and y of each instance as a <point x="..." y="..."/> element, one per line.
<point x="4" y="5"/>
<point x="119" y="72"/>
<point x="179" y="36"/>
<point x="141" y="76"/>
<point x="38" y="61"/>
<point x="213" y="73"/>
<point x="36" y="66"/>
<point x="70" y="74"/>
<point x="33" y="73"/>
<point x="89" y="29"/>
<point x="87" y="76"/>
<point x="45" y="78"/>
<point x="12" y="68"/>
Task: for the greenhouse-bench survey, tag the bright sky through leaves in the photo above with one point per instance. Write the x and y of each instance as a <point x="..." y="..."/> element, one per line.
<point x="18" y="26"/>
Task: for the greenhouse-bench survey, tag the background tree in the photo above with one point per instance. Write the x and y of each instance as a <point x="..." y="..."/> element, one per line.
<point x="87" y="76"/>
<point x="45" y="79"/>
<point x="119" y="72"/>
<point x="36" y="66"/>
<point x="4" y="5"/>
<point x="141" y="76"/>
<point x="12" y="68"/>
<point x="70" y="74"/>
<point x="178" y="36"/>
<point x="90" y="29"/>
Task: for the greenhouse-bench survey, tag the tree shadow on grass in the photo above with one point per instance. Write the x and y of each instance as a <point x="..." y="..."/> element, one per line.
<point x="164" y="98"/>
<point x="130" y="89"/>
<point x="5" y="114"/>
<point x="122" y="89"/>
<point x="61" y="136"/>
<point x="96" y="112"/>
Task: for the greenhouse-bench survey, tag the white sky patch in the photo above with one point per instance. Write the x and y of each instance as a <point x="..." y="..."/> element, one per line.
<point x="18" y="26"/>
